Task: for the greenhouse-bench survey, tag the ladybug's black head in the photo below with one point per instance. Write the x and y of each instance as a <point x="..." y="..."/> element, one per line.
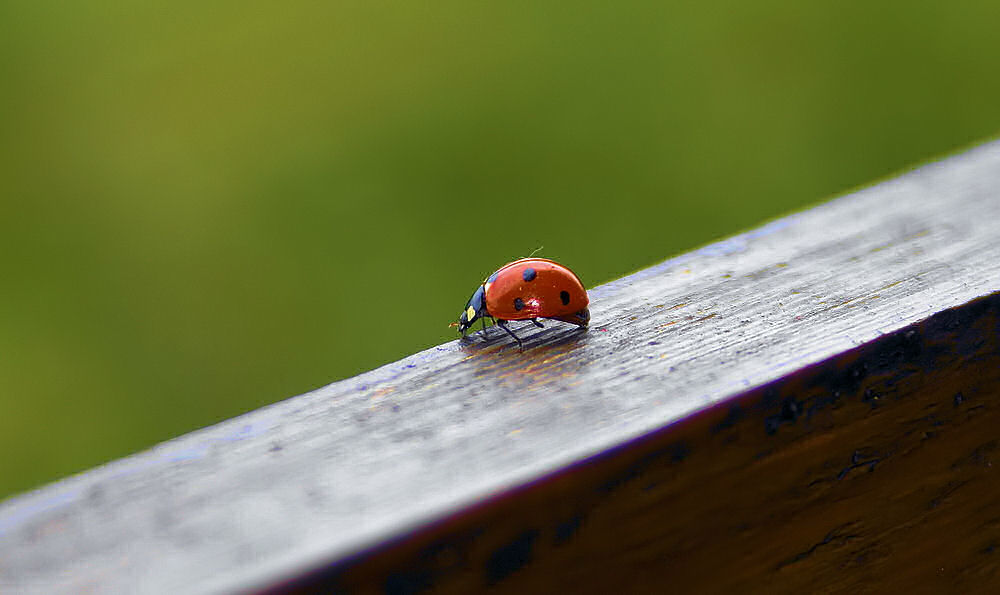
<point x="473" y="310"/>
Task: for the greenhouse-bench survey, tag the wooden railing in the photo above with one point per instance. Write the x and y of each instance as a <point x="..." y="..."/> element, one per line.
<point x="813" y="405"/>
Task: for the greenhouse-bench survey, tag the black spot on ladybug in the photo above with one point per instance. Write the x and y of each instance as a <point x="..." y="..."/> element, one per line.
<point x="518" y="304"/>
<point x="564" y="296"/>
<point x="528" y="274"/>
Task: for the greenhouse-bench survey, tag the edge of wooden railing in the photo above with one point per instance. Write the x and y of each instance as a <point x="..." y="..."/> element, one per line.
<point x="817" y="347"/>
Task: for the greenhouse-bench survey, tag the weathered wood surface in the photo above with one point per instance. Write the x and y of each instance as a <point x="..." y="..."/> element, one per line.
<point x="811" y="402"/>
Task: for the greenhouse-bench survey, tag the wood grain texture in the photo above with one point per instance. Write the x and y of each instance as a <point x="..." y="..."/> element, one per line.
<point x="797" y="403"/>
<point x="868" y="472"/>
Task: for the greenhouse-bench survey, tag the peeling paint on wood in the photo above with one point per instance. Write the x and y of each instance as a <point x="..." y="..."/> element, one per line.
<point x="809" y="402"/>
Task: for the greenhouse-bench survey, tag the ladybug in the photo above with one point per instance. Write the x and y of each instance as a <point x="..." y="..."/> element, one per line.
<point x="528" y="289"/>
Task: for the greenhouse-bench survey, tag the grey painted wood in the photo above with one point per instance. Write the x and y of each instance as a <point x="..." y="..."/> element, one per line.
<point x="269" y="494"/>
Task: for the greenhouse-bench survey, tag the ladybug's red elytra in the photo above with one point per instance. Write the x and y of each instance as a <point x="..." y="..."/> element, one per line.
<point x="528" y="289"/>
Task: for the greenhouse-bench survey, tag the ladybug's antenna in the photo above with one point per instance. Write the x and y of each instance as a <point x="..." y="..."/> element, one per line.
<point x="536" y="251"/>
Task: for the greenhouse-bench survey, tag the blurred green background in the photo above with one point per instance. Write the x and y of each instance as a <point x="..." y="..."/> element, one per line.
<point x="207" y="207"/>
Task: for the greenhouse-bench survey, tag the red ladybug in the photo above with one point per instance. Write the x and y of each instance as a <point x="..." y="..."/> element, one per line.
<point x="528" y="289"/>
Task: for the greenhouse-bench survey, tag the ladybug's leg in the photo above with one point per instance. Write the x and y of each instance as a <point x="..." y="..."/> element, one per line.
<point x="503" y="324"/>
<point x="484" y="317"/>
<point x="536" y="323"/>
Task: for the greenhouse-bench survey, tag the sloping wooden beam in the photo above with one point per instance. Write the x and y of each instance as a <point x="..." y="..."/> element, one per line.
<point x="810" y="402"/>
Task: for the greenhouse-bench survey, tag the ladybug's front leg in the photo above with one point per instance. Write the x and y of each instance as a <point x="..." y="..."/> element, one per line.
<point x="536" y="323"/>
<point x="484" y="317"/>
